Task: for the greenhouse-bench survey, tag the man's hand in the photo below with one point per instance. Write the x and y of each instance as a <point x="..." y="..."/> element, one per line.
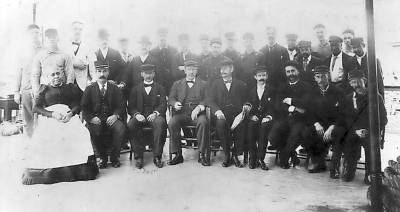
<point x="95" y="120"/>
<point x="111" y="120"/>
<point x="151" y="117"/>
<point x="17" y="98"/>
<point x="177" y="106"/>
<point x="67" y="117"/>
<point x="140" y="117"/>
<point x="57" y="115"/>
<point x="287" y="101"/>
<point x="328" y="134"/>
<point x="362" y="133"/>
<point x="254" y="118"/>
<point x="246" y="108"/>
<point x="319" y="128"/>
<point x="219" y="114"/>
<point x="266" y="119"/>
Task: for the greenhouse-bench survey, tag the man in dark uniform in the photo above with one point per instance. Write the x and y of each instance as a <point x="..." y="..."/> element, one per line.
<point x="164" y="53"/>
<point x="322" y="48"/>
<point x="326" y="123"/>
<point x="147" y="106"/>
<point x="291" y="40"/>
<point x="205" y="48"/>
<point x="227" y="101"/>
<point x="111" y="57"/>
<point x="274" y="56"/>
<point x="103" y="108"/>
<point x="308" y="61"/>
<point x="339" y="64"/>
<point x="249" y="61"/>
<point x="187" y="98"/>
<point x="209" y="70"/>
<point x="291" y="115"/>
<point x="178" y="71"/>
<point x="360" y="59"/>
<point x="261" y="115"/>
<point x="357" y="121"/>
<point x="231" y="52"/>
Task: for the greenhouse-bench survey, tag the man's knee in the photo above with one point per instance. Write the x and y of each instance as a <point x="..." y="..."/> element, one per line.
<point x="202" y="121"/>
<point x="174" y="123"/>
<point x="118" y="128"/>
<point x="159" y="122"/>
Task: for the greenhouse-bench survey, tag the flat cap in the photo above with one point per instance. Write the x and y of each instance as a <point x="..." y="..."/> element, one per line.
<point x="230" y="35"/>
<point x="191" y="62"/>
<point x="248" y="36"/>
<point x="100" y="65"/>
<point x="291" y="36"/>
<point x="204" y="37"/>
<point x="356" y="74"/>
<point x="144" y="40"/>
<point x="335" y="39"/>
<point x="357" y="41"/>
<point x="226" y="61"/>
<point x="260" y="68"/>
<point x="51" y="33"/>
<point x="321" y="70"/>
<point x="147" y="67"/>
<point x="162" y="31"/>
<point x="216" y="40"/>
<point x="103" y="34"/>
<point x="183" y="36"/>
<point x="304" y="43"/>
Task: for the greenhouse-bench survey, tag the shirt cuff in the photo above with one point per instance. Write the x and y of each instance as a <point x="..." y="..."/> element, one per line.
<point x="157" y="113"/>
<point x="291" y="109"/>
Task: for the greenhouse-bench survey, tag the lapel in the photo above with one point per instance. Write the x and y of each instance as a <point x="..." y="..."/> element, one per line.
<point x="183" y="89"/>
<point x="100" y="55"/>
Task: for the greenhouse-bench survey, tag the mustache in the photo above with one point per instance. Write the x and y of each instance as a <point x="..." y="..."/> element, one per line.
<point x="102" y="77"/>
<point x="262" y="80"/>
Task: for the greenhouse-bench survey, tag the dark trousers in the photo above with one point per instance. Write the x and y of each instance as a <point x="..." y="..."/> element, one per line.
<point x="27" y="112"/>
<point x="223" y="128"/>
<point x="103" y="137"/>
<point x="257" y="138"/>
<point x="317" y="148"/>
<point x="202" y="132"/>
<point x="159" y="134"/>
<point x="286" y="135"/>
<point x="352" y="151"/>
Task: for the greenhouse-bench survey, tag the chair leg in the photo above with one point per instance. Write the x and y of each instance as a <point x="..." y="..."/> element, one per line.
<point x="276" y="157"/>
<point x="130" y="154"/>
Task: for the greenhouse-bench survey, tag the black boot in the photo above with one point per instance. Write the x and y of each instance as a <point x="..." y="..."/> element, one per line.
<point x="349" y="169"/>
<point x="237" y="162"/>
<point x="139" y="162"/>
<point x="263" y="166"/>
<point x="176" y="160"/>
<point x="157" y="161"/>
<point x="252" y="163"/>
<point x="227" y="160"/>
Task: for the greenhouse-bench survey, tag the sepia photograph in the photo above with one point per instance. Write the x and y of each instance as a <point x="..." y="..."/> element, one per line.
<point x="200" y="105"/>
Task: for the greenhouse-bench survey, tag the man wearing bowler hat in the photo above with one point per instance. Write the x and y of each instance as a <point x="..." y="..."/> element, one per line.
<point x="178" y="71"/>
<point x="291" y="40"/>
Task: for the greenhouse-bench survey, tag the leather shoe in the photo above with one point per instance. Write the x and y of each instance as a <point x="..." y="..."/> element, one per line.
<point x="157" y="161"/>
<point x="252" y="164"/>
<point x="226" y="163"/>
<point x="237" y="162"/>
<point x="263" y="166"/>
<point x="295" y="160"/>
<point x="139" y="163"/>
<point x="285" y="166"/>
<point x="176" y="160"/>
<point x="317" y="169"/>
<point x="205" y="161"/>
<point x="103" y="164"/>
<point x="115" y="164"/>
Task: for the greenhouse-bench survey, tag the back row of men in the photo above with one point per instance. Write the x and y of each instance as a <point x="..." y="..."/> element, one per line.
<point x="286" y="80"/>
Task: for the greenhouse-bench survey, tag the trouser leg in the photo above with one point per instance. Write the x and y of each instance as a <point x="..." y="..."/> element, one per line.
<point x="224" y="135"/>
<point x="252" y="137"/>
<point x="99" y="147"/>
<point x="27" y="112"/>
<point x="159" y="126"/>
<point x="202" y="131"/>
<point x="292" y="141"/>
<point x="262" y="141"/>
<point x="118" y="131"/>
<point x="174" y="127"/>
<point x="136" y="136"/>
<point x="240" y="139"/>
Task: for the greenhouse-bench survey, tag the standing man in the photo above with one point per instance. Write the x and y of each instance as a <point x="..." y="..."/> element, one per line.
<point x="126" y="56"/>
<point x="261" y="115"/>
<point x="111" y="57"/>
<point x="164" y="53"/>
<point x="205" y="48"/>
<point x="178" y="71"/>
<point x="348" y="34"/>
<point x="187" y="98"/>
<point x="360" y="59"/>
<point x="231" y="52"/>
<point x="308" y="61"/>
<point x="23" y="88"/>
<point x="339" y="64"/>
<point x="83" y="65"/>
<point x="357" y="121"/>
<point x="274" y="56"/>
<point x="147" y="106"/>
<point x="291" y="40"/>
<point x="210" y="71"/>
<point x="326" y="124"/>
<point x="103" y="108"/>
<point x="322" y="47"/>
<point x="249" y="61"/>
<point x="227" y="100"/>
<point x="49" y="59"/>
<point x="291" y="115"/>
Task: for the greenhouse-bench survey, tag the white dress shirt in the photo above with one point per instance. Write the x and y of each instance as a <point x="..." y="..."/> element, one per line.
<point x="104" y="52"/>
<point x="260" y="91"/>
<point x="292" y="54"/>
<point x="359" y="59"/>
<point x="191" y="84"/>
<point x="143" y="57"/>
<point x="336" y="69"/>
<point x="148" y="89"/>
<point x="101" y="86"/>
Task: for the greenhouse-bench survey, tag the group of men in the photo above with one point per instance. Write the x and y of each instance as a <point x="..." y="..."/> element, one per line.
<point x="314" y="96"/>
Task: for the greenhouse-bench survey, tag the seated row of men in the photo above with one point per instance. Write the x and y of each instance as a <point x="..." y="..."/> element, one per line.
<point x="316" y="116"/>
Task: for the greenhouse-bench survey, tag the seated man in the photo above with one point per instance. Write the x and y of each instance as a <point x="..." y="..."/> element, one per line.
<point x="187" y="97"/>
<point x="291" y="101"/>
<point x="357" y="123"/>
<point x="103" y="107"/>
<point x="261" y="115"/>
<point x="60" y="140"/>
<point x="146" y="106"/>
<point x="227" y="100"/>
<point x="326" y="122"/>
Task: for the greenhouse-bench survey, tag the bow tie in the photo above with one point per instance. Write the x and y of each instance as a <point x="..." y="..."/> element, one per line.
<point x="148" y="85"/>
<point x="76" y="43"/>
<point x="190" y="81"/>
<point x="227" y="81"/>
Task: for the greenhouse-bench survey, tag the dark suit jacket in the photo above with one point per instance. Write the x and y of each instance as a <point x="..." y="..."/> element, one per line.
<point x="274" y="60"/>
<point x="165" y="58"/>
<point x="178" y="91"/>
<point x="364" y="66"/>
<point x="157" y="93"/>
<point x="90" y="102"/>
<point x="115" y="61"/>
<point x="219" y="97"/>
<point x="209" y="69"/>
<point x="347" y="63"/>
<point x="179" y="61"/>
<point x="300" y="94"/>
<point x="234" y="55"/>
<point x="265" y="106"/>
<point x="132" y="73"/>
<point x="307" y="73"/>
<point x="249" y="64"/>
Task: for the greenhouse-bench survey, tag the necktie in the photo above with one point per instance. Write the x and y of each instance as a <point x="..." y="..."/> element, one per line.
<point x="305" y="65"/>
<point x="148" y="85"/>
<point x="76" y="43"/>
<point x="103" y="90"/>
<point x="333" y="62"/>
<point x="227" y="81"/>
